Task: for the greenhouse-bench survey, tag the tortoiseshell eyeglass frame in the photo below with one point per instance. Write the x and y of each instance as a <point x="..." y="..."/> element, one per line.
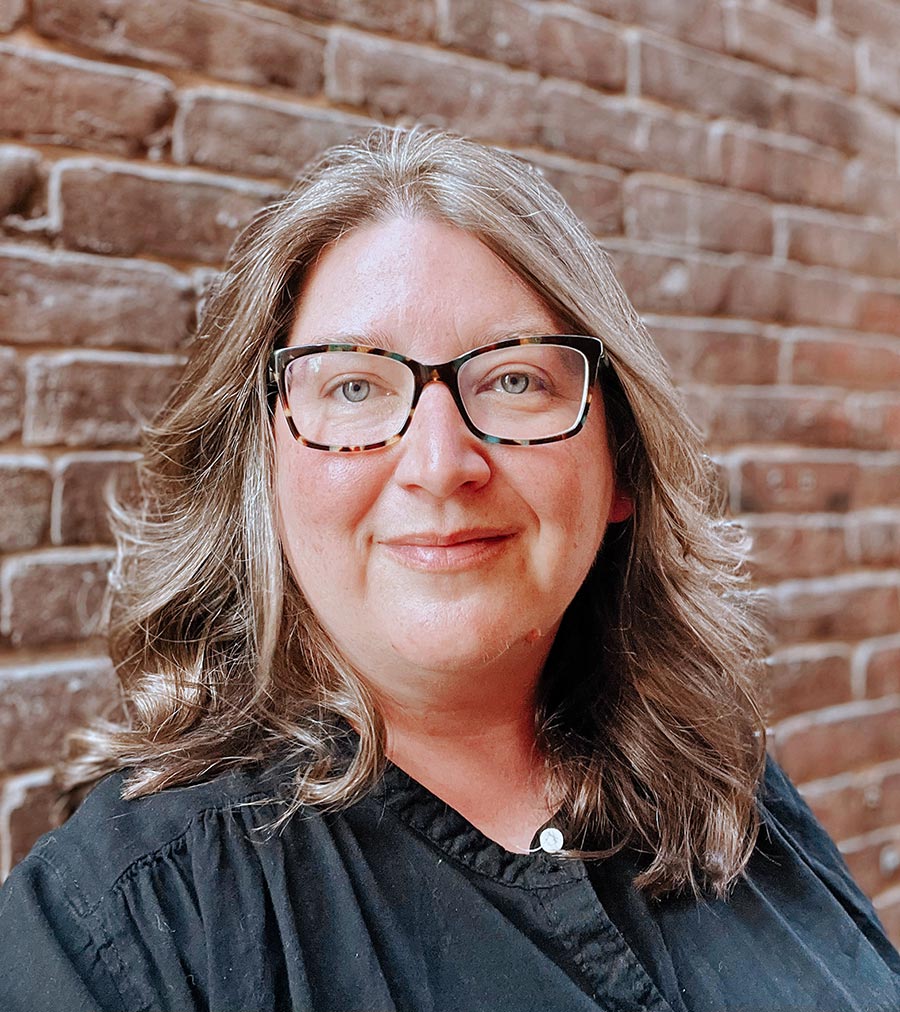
<point x="446" y="373"/>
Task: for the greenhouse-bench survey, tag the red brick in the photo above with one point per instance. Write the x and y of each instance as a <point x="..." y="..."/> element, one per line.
<point x="622" y="10"/>
<point x="82" y="483"/>
<point x="252" y="135"/>
<point x="505" y="30"/>
<point x="786" y="548"/>
<point x="876" y="541"/>
<point x="31" y="805"/>
<point x="594" y="192"/>
<point x="848" y="738"/>
<point x="773" y="415"/>
<point x="794" y="295"/>
<point x="876" y="420"/>
<point x="880" y="73"/>
<point x="757" y="290"/>
<point x="55" y="297"/>
<point x="706" y="216"/>
<point x="879" y="309"/>
<point x="696" y="21"/>
<point x="660" y="209"/>
<point x="875" y="863"/>
<point x="83" y="398"/>
<point x="869" y="190"/>
<point x="806" y="6"/>
<point x="806" y="679"/>
<point x="249" y="45"/>
<point x="389" y="79"/>
<point x="843" y="122"/>
<point x="556" y="43"/>
<point x="25" y="494"/>
<point x="857" y="803"/>
<point x="845" y="360"/>
<point x="710" y="351"/>
<point x="780" y="166"/>
<point x="11" y="13"/>
<point x="42" y="703"/>
<point x="713" y="85"/>
<point x="689" y="284"/>
<point x="821" y="298"/>
<point x="883" y="668"/>
<point x="582" y="48"/>
<point x="878" y="484"/>
<point x="12" y="394"/>
<point x="840" y="241"/>
<point x="847" y="609"/>
<point x="54" y="596"/>
<point x="785" y="41"/>
<point x="876" y="18"/>
<point x="729" y="221"/>
<point x="18" y="176"/>
<point x="621" y="131"/>
<point x="792" y="485"/>
<point x="172" y="213"/>
<point x="57" y="99"/>
<point x="408" y="20"/>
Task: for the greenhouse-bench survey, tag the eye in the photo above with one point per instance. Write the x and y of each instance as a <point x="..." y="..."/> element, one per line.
<point x="515" y="382"/>
<point x="355" y="390"/>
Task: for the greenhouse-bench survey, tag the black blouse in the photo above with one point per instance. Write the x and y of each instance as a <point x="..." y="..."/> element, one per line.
<point x="184" y="901"/>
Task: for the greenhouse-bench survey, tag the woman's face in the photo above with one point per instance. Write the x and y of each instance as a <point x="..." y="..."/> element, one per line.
<point x="440" y="553"/>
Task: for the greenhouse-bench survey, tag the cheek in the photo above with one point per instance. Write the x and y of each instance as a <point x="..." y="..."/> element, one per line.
<point x="570" y="499"/>
<point x="583" y="489"/>
<point x="584" y="512"/>
<point x="323" y="500"/>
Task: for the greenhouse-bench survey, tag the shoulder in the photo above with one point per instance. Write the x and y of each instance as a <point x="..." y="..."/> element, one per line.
<point x="783" y="810"/>
<point x="121" y="896"/>
<point x="789" y="828"/>
<point x="110" y="841"/>
<point x="108" y="836"/>
<point x="787" y="817"/>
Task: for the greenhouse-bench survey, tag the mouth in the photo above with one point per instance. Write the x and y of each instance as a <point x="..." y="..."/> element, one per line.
<point x="447" y="552"/>
<point x="435" y="539"/>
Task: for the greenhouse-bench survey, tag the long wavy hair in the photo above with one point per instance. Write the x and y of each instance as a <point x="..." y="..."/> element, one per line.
<point x="647" y="710"/>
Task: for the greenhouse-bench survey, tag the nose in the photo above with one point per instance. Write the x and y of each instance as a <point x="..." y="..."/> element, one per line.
<point x="437" y="452"/>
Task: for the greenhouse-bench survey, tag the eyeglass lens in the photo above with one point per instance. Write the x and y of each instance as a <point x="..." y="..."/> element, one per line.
<point x="353" y="398"/>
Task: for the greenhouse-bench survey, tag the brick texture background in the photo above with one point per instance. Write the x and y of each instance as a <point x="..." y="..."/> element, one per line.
<point x="738" y="159"/>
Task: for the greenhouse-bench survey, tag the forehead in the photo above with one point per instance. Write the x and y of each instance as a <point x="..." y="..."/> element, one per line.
<point x="420" y="287"/>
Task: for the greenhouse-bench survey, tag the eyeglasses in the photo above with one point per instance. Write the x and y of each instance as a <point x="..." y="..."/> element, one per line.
<point x="346" y="398"/>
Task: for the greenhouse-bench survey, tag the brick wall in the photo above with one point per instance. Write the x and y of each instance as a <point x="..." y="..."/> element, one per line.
<point x="740" y="161"/>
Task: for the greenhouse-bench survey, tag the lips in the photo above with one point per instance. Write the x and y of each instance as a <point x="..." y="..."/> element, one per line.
<point x="435" y="539"/>
<point x="437" y="551"/>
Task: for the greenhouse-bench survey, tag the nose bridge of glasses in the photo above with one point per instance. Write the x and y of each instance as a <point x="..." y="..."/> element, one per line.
<point x="444" y="375"/>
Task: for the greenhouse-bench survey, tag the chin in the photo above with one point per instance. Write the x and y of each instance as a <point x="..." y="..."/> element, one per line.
<point x="470" y="644"/>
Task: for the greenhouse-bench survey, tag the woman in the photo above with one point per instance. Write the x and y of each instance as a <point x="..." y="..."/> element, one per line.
<point x="429" y="630"/>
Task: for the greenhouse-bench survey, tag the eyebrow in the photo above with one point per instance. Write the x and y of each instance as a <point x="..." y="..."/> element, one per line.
<point x="493" y="334"/>
<point x="372" y="339"/>
<point x="382" y="339"/>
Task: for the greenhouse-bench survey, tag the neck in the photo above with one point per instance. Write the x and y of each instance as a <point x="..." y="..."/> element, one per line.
<point x="498" y="733"/>
<point x="472" y="742"/>
<point x="484" y="711"/>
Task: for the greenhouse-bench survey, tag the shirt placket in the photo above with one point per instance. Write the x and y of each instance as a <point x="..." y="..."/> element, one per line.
<point x="615" y="978"/>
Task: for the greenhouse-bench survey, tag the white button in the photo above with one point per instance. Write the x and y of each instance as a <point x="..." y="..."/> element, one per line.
<point x="551" y="840"/>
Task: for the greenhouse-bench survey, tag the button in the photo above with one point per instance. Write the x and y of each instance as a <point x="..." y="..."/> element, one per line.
<point x="551" y="840"/>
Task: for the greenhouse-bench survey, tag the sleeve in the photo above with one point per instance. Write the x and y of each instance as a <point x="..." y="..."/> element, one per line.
<point x="785" y="812"/>
<point x="51" y="957"/>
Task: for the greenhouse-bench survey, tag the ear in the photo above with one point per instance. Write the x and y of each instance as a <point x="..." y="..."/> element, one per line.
<point x="621" y="507"/>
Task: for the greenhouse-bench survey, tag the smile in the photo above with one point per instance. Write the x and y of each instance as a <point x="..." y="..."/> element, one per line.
<point x="461" y="550"/>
